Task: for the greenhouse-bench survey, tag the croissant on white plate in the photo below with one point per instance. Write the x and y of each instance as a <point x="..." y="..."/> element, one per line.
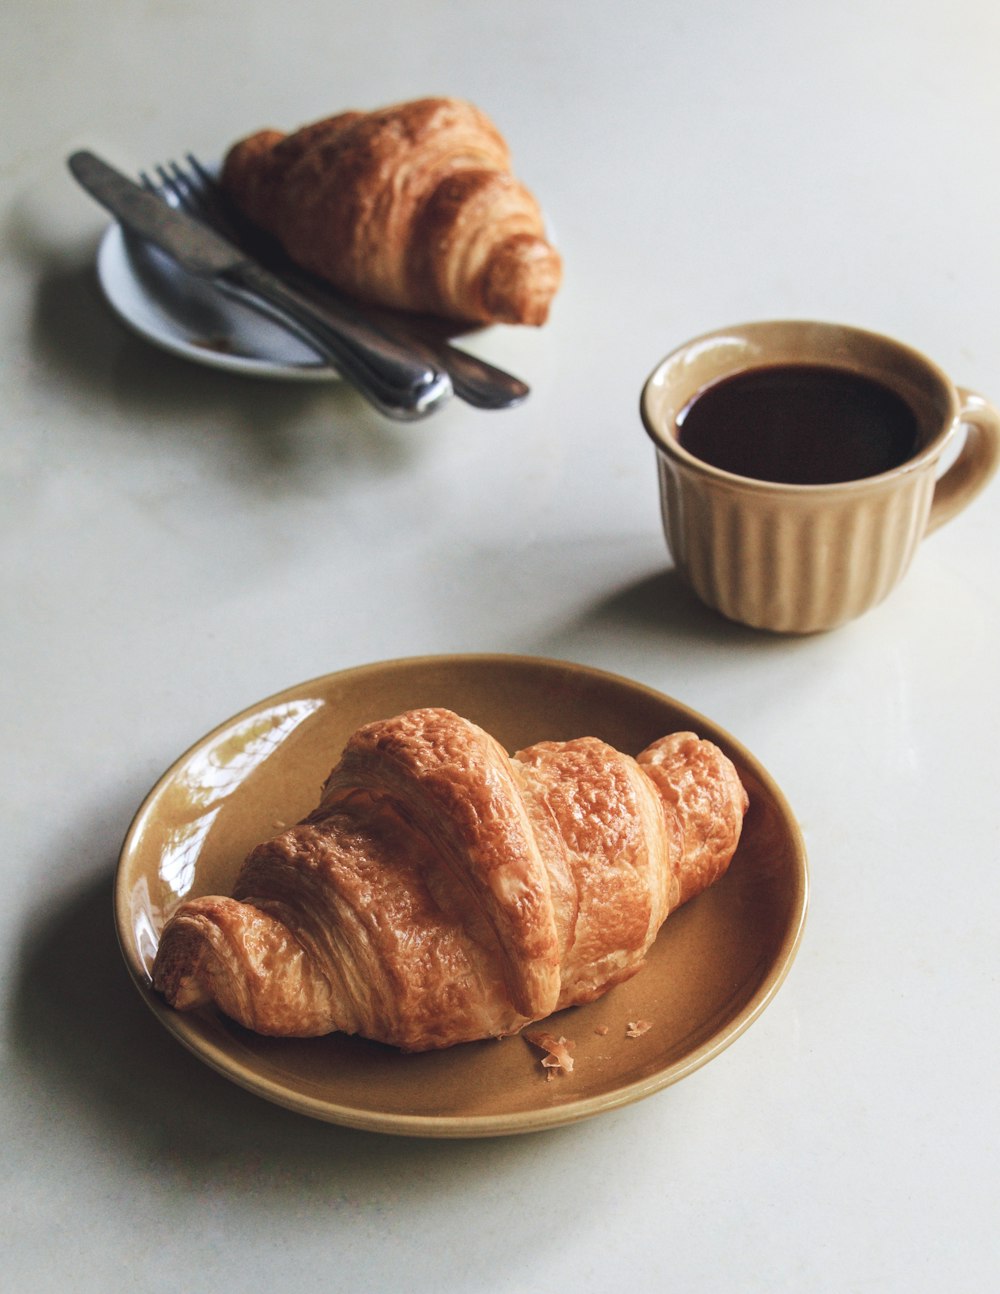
<point x="412" y="207"/>
<point x="444" y="891"/>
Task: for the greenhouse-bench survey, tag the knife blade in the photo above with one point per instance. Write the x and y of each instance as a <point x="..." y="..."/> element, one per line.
<point x="400" y="382"/>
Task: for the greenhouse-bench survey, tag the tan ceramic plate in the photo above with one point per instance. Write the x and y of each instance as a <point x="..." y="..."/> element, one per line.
<point x="715" y="966"/>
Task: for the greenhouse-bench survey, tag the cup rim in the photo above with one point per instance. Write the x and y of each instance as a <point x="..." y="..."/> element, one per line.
<point x="670" y="447"/>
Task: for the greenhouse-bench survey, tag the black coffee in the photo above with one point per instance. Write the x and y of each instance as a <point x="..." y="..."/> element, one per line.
<point x="799" y="424"/>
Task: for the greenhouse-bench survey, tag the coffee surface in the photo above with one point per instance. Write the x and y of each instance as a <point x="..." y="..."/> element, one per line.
<point x="799" y="424"/>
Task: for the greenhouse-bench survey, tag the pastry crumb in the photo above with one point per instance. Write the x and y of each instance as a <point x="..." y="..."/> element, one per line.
<point x="636" y="1028"/>
<point x="222" y="345"/>
<point x="557" y="1058"/>
<point x="602" y="1030"/>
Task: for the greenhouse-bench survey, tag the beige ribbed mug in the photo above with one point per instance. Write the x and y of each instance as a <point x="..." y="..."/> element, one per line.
<point x="798" y="558"/>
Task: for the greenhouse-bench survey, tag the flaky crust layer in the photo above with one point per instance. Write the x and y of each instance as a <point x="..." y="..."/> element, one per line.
<point x="412" y="206"/>
<point x="443" y="891"/>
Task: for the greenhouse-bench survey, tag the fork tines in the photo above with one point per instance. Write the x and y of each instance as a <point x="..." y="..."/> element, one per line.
<point x="194" y="190"/>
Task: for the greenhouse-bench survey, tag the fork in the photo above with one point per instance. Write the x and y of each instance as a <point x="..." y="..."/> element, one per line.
<point x="195" y="190"/>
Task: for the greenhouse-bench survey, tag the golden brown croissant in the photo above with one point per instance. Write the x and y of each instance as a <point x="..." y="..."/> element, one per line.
<point x="412" y="207"/>
<point x="443" y="891"/>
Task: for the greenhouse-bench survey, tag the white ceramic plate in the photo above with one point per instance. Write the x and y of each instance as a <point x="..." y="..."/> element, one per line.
<point x="186" y="316"/>
<point x="714" y="967"/>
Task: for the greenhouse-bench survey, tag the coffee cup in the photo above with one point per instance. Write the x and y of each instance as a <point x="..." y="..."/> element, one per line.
<point x="800" y="465"/>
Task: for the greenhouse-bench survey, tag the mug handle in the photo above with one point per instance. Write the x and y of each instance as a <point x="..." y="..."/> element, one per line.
<point x="975" y="464"/>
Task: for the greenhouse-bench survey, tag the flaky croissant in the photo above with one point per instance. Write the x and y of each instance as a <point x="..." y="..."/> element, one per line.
<point x="412" y="207"/>
<point x="443" y="891"/>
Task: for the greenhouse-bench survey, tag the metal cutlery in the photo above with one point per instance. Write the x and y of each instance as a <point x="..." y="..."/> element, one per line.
<point x="398" y="379"/>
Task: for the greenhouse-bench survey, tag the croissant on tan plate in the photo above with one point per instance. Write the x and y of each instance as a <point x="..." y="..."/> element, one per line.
<point x="444" y="891"/>
<point x="412" y="207"/>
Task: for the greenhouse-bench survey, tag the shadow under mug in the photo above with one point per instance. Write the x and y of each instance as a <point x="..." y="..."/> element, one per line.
<point x="804" y="558"/>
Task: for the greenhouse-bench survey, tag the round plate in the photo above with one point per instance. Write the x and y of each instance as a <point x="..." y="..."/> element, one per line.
<point x="185" y="315"/>
<point x="716" y="964"/>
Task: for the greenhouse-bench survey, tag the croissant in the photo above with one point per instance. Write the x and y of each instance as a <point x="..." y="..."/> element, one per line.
<point x="412" y="207"/>
<point x="443" y="891"/>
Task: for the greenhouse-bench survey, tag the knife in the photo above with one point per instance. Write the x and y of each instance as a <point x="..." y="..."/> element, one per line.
<point x="398" y="381"/>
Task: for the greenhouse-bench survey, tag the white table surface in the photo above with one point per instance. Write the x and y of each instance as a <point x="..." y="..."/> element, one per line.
<point x="177" y="543"/>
